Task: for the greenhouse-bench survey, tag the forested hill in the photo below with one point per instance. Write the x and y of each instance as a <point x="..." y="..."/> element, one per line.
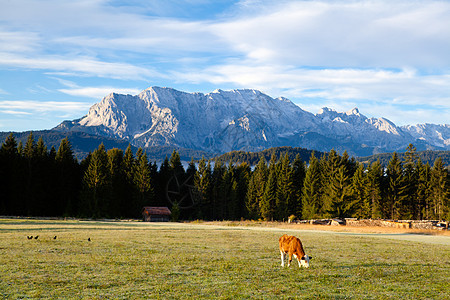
<point x="428" y="156"/>
<point x="252" y="158"/>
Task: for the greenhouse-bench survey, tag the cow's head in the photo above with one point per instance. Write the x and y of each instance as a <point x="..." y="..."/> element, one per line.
<point x="305" y="261"/>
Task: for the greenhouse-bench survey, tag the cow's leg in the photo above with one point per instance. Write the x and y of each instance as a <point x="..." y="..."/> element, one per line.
<point x="298" y="260"/>
<point x="282" y="258"/>
<point x="290" y="259"/>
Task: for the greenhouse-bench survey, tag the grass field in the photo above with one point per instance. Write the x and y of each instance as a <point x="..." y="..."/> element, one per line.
<point x="135" y="260"/>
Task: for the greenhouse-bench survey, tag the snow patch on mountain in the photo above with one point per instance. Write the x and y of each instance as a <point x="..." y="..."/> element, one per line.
<point x="438" y="135"/>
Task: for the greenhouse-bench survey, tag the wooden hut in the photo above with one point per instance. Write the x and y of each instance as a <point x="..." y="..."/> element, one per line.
<point x="156" y="214"/>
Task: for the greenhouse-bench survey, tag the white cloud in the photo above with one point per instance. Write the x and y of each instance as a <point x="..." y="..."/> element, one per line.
<point x="18" y="41"/>
<point x="331" y="83"/>
<point x="15" y="112"/>
<point x="382" y="34"/>
<point x="83" y="66"/>
<point x="73" y="89"/>
<point x="358" y="34"/>
<point x="330" y="34"/>
<point x="98" y="92"/>
<point x="33" y="106"/>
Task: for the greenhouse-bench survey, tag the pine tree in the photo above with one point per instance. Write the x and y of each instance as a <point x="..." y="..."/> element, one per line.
<point x="233" y="207"/>
<point x="251" y="200"/>
<point x="28" y="194"/>
<point x="9" y="175"/>
<point x="373" y="189"/>
<point x="342" y="205"/>
<point x="154" y="176"/>
<point x="268" y="201"/>
<point x="175" y="164"/>
<point x="202" y="183"/>
<point x="285" y="203"/>
<point x="359" y="194"/>
<point x="52" y="153"/>
<point x="128" y="166"/>
<point x="191" y="169"/>
<point x="65" y="153"/>
<point x="350" y="165"/>
<point x="67" y="181"/>
<point x="229" y="197"/>
<point x="298" y="178"/>
<point x="142" y="181"/>
<point x="410" y="154"/>
<point x="256" y="188"/>
<point x="165" y="178"/>
<point x="177" y="177"/>
<point x="42" y="180"/>
<point x="243" y="172"/>
<point x="20" y="148"/>
<point x="30" y="147"/>
<point x="423" y="190"/>
<point x="394" y="174"/>
<point x="41" y="149"/>
<point x="96" y="184"/>
<point x="409" y="183"/>
<point x="311" y="205"/>
<point x="330" y="167"/>
<point x="439" y="190"/>
<point x="118" y="181"/>
<point x="218" y="199"/>
<point x="9" y="146"/>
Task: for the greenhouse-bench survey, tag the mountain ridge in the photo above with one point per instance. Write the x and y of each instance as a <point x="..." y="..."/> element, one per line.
<point x="247" y="120"/>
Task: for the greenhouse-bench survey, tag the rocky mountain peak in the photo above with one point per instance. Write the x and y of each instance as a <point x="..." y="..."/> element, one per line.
<point x="354" y="111"/>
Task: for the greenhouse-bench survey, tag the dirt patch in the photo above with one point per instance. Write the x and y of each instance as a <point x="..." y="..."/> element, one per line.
<point x="438" y="237"/>
<point x="358" y="229"/>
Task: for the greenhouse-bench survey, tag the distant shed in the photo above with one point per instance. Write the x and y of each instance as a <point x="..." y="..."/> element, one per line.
<point x="156" y="214"/>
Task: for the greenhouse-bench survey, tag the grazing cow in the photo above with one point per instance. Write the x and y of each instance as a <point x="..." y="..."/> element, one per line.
<point x="293" y="246"/>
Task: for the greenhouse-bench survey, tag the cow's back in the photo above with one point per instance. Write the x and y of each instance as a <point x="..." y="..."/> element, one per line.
<point x="286" y="242"/>
<point x="291" y="244"/>
<point x="295" y="245"/>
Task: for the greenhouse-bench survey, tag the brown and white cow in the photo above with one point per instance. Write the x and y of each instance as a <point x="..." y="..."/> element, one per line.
<point x="293" y="246"/>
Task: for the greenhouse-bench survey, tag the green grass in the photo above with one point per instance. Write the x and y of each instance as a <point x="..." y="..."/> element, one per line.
<point x="134" y="260"/>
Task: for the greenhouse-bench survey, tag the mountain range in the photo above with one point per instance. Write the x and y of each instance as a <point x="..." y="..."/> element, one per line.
<point x="246" y="119"/>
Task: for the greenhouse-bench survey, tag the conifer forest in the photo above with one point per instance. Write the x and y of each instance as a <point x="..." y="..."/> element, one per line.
<point x="112" y="183"/>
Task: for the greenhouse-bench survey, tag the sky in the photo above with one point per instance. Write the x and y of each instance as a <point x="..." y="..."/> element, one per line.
<point x="389" y="59"/>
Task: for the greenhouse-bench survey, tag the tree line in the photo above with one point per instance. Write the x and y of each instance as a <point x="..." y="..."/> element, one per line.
<point x="37" y="181"/>
<point x="253" y="158"/>
<point x="429" y="156"/>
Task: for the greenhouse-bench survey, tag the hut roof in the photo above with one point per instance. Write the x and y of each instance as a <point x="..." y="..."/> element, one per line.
<point x="152" y="210"/>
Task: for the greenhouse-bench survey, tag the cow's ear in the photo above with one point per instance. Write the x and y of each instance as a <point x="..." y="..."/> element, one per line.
<point x="310" y="257"/>
<point x="303" y="258"/>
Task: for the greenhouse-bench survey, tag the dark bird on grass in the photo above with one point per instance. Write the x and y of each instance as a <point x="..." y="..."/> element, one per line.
<point x="89" y="239"/>
<point x="30" y="237"/>
<point x="36" y="237"/>
<point x="54" y="237"/>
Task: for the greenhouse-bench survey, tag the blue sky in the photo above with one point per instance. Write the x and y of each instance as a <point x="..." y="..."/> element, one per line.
<point x="388" y="58"/>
